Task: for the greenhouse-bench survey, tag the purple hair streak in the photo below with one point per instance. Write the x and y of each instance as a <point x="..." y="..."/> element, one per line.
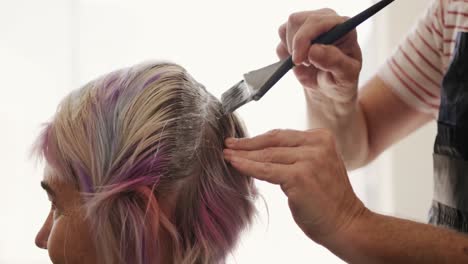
<point x="144" y="146"/>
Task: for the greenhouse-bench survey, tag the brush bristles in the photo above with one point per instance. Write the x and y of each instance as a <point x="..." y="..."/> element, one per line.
<point x="235" y="97"/>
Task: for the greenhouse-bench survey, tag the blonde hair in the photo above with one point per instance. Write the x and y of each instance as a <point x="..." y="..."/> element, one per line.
<point x="139" y="135"/>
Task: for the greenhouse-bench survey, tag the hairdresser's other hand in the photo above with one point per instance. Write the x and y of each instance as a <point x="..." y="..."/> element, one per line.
<point x="310" y="172"/>
<point x="327" y="72"/>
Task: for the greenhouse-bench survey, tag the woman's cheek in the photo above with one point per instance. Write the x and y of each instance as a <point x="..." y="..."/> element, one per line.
<point x="70" y="241"/>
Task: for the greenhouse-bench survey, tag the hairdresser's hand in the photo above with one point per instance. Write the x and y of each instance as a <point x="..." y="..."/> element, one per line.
<point x="327" y="72"/>
<point x="310" y="172"/>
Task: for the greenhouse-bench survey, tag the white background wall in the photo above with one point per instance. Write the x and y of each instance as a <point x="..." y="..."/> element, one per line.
<point x="49" y="47"/>
<point x="35" y="54"/>
<point x="405" y="170"/>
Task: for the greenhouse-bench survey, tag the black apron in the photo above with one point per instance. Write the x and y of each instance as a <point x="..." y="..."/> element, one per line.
<point x="450" y="204"/>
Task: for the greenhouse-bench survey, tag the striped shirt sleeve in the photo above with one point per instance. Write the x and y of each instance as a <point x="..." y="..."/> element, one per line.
<point x="415" y="71"/>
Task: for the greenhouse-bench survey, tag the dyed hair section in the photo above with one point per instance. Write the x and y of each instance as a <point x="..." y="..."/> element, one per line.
<point x="142" y="136"/>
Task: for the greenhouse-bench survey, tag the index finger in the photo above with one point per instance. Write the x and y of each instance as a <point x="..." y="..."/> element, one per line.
<point x="270" y="172"/>
<point x="274" y="138"/>
<point x="311" y="29"/>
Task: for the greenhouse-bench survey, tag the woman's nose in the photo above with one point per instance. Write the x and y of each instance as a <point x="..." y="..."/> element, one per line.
<point x="43" y="235"/>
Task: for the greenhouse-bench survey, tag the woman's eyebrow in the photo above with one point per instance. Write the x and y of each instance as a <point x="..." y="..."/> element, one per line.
<point x="47" y="188"/>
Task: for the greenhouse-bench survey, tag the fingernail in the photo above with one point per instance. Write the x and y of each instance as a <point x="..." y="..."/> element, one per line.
<point x="306" y="64"/>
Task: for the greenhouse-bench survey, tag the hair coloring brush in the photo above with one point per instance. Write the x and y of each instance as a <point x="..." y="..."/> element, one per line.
<point x="257" y="83"/>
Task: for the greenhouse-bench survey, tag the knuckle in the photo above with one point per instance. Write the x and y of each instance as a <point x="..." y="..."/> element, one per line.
<point x="267" y="155"/>
<point x="310" y="133"/>
<point x="294" y="18"/>
<point x="311" y="141"/>
<point x="266" y="168"/>
<point x="273" y="134"/>
<point x="302" y="137"/>
<point x="289" y="131"/>
<point x="326" y="136"/>
<point x="328" y="11"/>
<point x="298" y="38"/>
<point x="312" y="20"/>
<point x="323" y="132"/>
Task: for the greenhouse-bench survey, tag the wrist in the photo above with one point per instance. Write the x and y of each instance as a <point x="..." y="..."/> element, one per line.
<point x="351" y="232"/>
<point x="330" y="108"/>
<point x="352" y="240"/>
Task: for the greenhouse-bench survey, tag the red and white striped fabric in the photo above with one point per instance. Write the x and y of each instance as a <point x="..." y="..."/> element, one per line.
<point x="416" y="70"/>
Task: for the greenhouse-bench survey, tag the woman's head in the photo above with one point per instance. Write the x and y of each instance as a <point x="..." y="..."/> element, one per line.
<point x="139" y="153"/>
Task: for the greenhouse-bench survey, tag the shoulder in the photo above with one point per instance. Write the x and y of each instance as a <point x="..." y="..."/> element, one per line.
<point x="454" y="14"/>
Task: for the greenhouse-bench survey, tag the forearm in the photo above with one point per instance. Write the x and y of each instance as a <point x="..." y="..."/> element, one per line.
<point x="376" y="238"/>
<point x="346" y="121"/>
<point x="365" y="128"/>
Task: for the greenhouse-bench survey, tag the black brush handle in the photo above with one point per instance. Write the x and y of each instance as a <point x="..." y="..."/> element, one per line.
<point x="326" y="38"/>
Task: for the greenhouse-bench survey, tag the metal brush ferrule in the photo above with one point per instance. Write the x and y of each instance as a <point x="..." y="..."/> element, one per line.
<point x="261" y="80"/>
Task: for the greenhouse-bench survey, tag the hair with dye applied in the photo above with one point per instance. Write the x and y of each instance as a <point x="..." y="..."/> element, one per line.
<point x="145" y="135"/>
